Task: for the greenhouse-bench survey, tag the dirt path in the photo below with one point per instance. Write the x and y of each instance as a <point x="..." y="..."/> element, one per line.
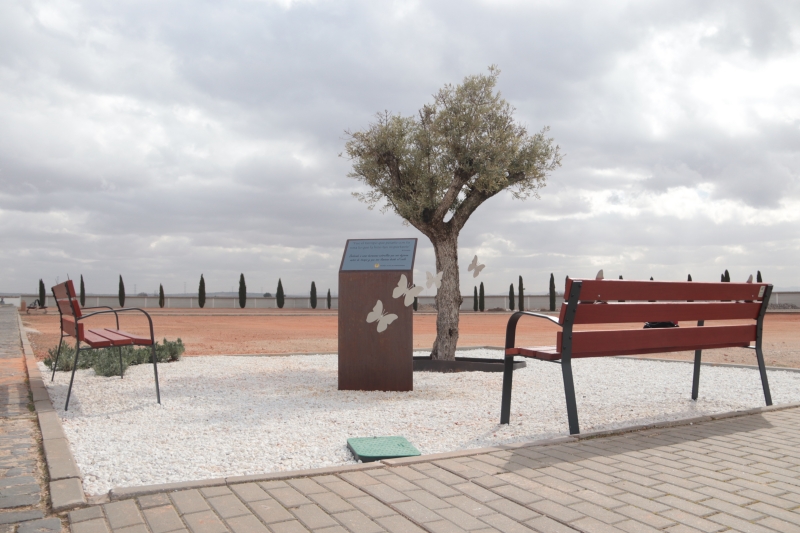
<point x="208" y="332"/>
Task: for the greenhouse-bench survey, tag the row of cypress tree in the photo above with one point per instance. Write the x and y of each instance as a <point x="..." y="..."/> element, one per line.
<point x="280" y="296"/>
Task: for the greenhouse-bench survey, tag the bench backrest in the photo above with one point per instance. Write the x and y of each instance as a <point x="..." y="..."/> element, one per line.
<point x="624" y="301"/>
<point x="69" y="308"/>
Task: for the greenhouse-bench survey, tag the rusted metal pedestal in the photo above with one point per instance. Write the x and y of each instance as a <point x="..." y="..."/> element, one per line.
<point x="368" y="359"/>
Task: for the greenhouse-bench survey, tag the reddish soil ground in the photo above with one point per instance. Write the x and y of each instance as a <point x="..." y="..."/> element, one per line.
<point x="259" y="331"/>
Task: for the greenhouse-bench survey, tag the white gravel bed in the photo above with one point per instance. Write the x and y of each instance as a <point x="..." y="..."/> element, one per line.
<point x="227" y="416"/>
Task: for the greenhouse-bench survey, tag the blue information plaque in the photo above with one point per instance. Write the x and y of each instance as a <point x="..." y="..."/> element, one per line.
<point x="379" y="254"/>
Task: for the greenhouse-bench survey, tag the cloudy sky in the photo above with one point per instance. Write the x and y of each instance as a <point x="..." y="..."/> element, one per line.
<point x="164" y="139"/>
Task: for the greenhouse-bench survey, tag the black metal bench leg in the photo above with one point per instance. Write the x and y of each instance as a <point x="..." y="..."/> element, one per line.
<point x="763" y="370"/>
<point x="508" y="375"/>
<point x="55" y="363"/>
<point x="696" y="378"/>
<point x="74" y="368"/>
<point x="569" y="392"/>
<point x="155" y="371"/>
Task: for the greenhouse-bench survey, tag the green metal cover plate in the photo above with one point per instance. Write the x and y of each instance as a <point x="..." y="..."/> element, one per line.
<point x="367" y="449"/>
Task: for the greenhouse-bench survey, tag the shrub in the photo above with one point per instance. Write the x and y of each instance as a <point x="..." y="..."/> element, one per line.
<point x="105" y="361"/>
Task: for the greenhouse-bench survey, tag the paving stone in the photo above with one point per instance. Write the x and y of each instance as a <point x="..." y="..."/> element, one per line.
<point x="595" y="511"/>
<point x="461" y="518"/>
<point x="204" y="522"/>
<point x="505" y="524"/>
<point x="46" y="525"/>
<point x="357" y="522"/>
<point x="693" y="521"/>
<point x="632" y="526"/>
<point x="443" y="526"/>
<point x="16" y="480"/>
<point x="556" y="510"/>
<point x="517" y="494"/>
<point x="163" y="519"/>
<point x="24" y="500"/>
<point x="417" y="512"/>
<point x="189" y="501"/>
<point x="399" y="524"/>
<point x="478" y="493"/>
<point x="469" y="506"/>
<point x="153" y="500"/>
<point x="332" y="529"/>
<point x="313" y="517"/>
<point x="331" y="502"/>
<point x="427" y="499"/>
<point x="646" y="517"/>
<point x="228" y="506"/>
<point x="397" y="482"/>
<point x="249" y="492"/>
<point x="270" y="511"/>
<point x="781" y="514"/>
<point x="408" y="473"/>
<point x="344" y="489"/>
<point x="593" y="525"/>
<point x="733" y="510"/>
<point x="19" y="490"/>
<point x="211" y="492"/>
<point x="514" y="510"/>
<point x="97" y="525"/>
<point x="88" y="513"/>
<point x="138" y="528"/>
<point x="288" y="497"/>
<point x="20" y="516"/>
<point x="306" y="485"/>
<point x="738" y="524"/>
<point x="246" y="524"/>
<point x="545" y="524"/>
<point x="122" y="514"/>
<point x="293" y="526"/>
<point x="687" y="506"/>
<point x="779" y="525"/>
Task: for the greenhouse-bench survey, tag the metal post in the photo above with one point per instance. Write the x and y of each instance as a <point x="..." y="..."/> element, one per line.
<point x="155" y="371"/>
<point x="58" y="353"/>
<point x="74" y="368"/>
<point x="759" y="353"/>
<point x="696" y="378"/>
<point x="566" y="358"/>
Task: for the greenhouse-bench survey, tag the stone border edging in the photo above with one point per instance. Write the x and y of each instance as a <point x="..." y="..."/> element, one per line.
<point x="66" y="488"/>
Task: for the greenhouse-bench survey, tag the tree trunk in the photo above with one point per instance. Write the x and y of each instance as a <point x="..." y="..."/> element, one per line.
<point x="448" y="297"/>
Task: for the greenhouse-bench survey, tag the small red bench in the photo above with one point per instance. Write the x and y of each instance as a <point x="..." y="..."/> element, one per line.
<point x="72" y="325"/>
<point x="590" y="301"/>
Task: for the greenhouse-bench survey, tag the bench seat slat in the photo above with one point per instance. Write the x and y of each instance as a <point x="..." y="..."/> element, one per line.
<point x="135" y="339"/>
<point x="618" y="313"/>
<point x="641" y="341"/>
<point x="106" y="338"/>
<point x="96" y="341"/>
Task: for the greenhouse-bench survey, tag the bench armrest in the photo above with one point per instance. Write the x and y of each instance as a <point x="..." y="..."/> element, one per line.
<point x="123" y="310"/>
<point x="511" y="328"/>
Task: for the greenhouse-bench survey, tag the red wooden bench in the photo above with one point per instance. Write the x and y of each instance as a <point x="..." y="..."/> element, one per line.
<point x="590" y="301"/>
<point x="72" y="325"/>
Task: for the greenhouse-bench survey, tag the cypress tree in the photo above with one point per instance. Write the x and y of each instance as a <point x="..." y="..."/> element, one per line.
<point x="42" y="294"/>
<point x="83" y="293"/>
<point x="416" y="304"/>
<point x="481" y="305"/>
<point x="121" y="292"/>
<point x="160" y="295"/>
<point x="651" y="278"/>
<point x="329" y="299"/>
<point x="313" y="295"/>
<point x="475" y="299"/>
<point x="201" y="292"/>
<point x="553" y="292"/>
<point x="758" y="277"/>
<point x="242" y="292"/>
<point x="727" y="276"/>
<point x="722" y="278"/>
<point x="279" y="295"/>
<point x="689" y="278"/>
<point x="521" y="293"/>
<point x="511" y="297"/>
<point x="620" y="276"/>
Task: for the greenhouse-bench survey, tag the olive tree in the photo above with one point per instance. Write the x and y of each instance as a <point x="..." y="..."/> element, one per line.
<point x="436" y="168"/>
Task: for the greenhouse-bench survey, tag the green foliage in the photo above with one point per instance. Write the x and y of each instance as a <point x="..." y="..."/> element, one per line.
<point x="313" y="295"/>
<point x="651" y="278"/>
<point x="521" y="292"/>
<point x="416" y="304"/>
<point x="689" y="278"/>
<point x="329" y="299"/>
<point x="620" y="276"/>
<point x="475" y="300"/>
<point x="83" y="293"/>
<point x="160" y="295"/>
<point x="727" y="276"/>
<point x="201" y="292"/>
<point x="511" y="297"/>
<point x="42" y="294"/>
<point x="481" y="304"/>
<point x="106" y="361"/>
<point x="121" y="292"/>
<point x="553" y="292"/>
<point x="758" y="277"/>
<point x="451" y="156"/>
<point x="242" y="292"/>
<point x="279" y="296"/>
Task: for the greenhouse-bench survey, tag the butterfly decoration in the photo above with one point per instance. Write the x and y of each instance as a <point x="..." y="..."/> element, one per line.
<point x="599" y="275"/>
<point x="474" y="267"/>
<point x="750" y="279"/>
<point x="383" y="319"/>
<point x="434" y="280"/>
<point x="403" y="288"/>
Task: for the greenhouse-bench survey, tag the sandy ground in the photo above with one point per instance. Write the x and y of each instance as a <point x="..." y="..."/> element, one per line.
<point x="224" y="332"/>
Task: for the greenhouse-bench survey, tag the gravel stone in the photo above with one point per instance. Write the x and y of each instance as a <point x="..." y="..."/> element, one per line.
<point x="233" y="416"/>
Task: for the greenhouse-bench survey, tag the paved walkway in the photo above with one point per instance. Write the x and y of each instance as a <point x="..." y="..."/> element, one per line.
<point x="23" y="498"/>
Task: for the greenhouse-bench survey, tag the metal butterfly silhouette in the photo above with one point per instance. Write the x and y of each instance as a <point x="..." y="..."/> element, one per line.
<point x="383" y="319"/>
<point x="434" y="280"/>
<point x="403" y="288"/>
<point x="474" y="267"/>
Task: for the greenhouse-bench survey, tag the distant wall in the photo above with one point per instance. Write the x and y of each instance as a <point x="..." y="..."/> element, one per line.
<point x="536" y="301"/>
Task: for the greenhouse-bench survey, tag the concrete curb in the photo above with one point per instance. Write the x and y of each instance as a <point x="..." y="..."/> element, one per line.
<point x="66" y="489"/>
